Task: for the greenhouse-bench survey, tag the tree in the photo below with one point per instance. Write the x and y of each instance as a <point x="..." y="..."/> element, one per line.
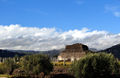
<point x="9" y="65"/>
<point x="97" y="65"/>
<point x="35" y="64"/>
<point x="16" y="58"/>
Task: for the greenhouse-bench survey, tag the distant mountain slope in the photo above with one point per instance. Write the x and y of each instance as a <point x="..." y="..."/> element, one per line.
<point x="93" y="49"/>
<point x="53" y="52"/>
<point x="49" y="52"/>
<point x="6" y="53"/>
<point x="115" y="50"/>
<point x="26" y="51"/>
<point x="12" y="53"/>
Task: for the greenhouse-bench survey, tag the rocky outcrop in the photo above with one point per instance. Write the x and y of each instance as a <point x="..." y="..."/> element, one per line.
<point x="76" y="48"/>
<point x="73" y="52"/>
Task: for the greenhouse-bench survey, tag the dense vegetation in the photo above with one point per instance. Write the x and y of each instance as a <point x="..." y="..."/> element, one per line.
<point x="8" y="66"/>
<point x="96" y="65"/>
<point x="93" y="65"/>
<point x="26" y="65"/>
<point x="35" y="64"/>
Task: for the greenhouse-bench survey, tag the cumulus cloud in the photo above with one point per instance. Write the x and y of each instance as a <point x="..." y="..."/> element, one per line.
<point x="31" y="38"/>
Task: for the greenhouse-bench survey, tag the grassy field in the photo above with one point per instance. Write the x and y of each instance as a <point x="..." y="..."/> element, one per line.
<point x="61" y="63"/>
<point x="5" y="76"/>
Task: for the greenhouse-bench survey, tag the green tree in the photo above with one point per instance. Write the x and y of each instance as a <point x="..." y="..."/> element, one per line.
<point x="96" y="65"/>
<point x="2" y="68"/>
<point x="9" y="65"/>
<point x="16" y="58"/>
<point x="35" y="64"/>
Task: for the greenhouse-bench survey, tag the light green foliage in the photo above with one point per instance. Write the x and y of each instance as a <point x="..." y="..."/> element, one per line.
<point x="2" y="68"/>
<point x="35" y="64"/>
<point x="8" y="66"/>
<point x="97" y="65"/>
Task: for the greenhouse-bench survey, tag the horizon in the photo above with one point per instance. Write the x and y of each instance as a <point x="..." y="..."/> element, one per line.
<point x="46" y="25"/>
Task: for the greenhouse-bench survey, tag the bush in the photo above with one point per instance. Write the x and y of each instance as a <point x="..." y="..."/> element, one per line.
<point x="2" y="68"/>
<point x="8" y="66"/>
<point x="35" y="64"/>
<point x="97" y="65"/>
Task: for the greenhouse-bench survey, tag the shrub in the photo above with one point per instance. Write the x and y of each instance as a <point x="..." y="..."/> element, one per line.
<point x="97" y="65"/>
<point x="8" y="66"/>
<point x="2" y="68"/>
<point x="35" y="64"/>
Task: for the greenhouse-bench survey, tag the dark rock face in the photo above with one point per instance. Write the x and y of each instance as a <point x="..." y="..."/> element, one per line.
<point x="115" y="50"/>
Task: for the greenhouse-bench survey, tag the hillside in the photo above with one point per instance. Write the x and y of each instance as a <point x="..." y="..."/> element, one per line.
<point x="6" y="53"/>
<point x="12" y="53"/>
<point x="115" y="50"/>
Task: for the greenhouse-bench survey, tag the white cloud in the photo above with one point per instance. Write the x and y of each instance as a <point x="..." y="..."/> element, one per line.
<point x="115" y="10"/>
<point x="32" y="38"/>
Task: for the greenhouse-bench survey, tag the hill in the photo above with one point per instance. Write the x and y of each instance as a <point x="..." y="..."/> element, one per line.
<point x="115" y="50"/>
<point x="12" y="53"/>
<point x="7" y="53"/>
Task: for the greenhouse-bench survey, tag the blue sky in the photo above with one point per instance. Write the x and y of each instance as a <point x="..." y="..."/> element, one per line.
<point x="62" y="14"/>
<point x="52" y="24"/>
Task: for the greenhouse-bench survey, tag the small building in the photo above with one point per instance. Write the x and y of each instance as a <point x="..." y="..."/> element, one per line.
<point x="73" y="52"/>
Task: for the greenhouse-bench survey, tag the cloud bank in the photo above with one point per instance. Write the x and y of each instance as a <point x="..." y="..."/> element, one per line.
<point x="31" y="38"/>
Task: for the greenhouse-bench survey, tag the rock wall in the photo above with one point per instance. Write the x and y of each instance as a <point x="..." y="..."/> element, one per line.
<point x="73" y="52"/>
<point x="76" y="48"/>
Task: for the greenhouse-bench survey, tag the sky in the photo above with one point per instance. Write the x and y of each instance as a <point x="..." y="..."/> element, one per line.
<point x="52" y="24"/>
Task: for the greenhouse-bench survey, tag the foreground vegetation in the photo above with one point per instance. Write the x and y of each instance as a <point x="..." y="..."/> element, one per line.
<point x="27" y="65"/>
<point x="93" y="65"/>
<point x="97" y="65"/>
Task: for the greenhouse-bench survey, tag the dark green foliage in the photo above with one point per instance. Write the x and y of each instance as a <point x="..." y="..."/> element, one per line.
<point x="16" y="58"/>
<point x="35" y="64"/>
<point x="27" y="65"/>
<point x="97" y="65"/>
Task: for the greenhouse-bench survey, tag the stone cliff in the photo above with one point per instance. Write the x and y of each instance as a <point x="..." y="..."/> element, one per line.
<point x="73" y="52"/>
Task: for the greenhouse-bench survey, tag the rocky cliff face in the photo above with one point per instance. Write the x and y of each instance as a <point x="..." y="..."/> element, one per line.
<point x="72" y="52"/>
<point x="76" y="48"/>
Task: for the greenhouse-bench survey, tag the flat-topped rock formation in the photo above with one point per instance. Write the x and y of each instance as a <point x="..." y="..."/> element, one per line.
<point x="76" y="48"/>
<point x="73" y="52"/>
